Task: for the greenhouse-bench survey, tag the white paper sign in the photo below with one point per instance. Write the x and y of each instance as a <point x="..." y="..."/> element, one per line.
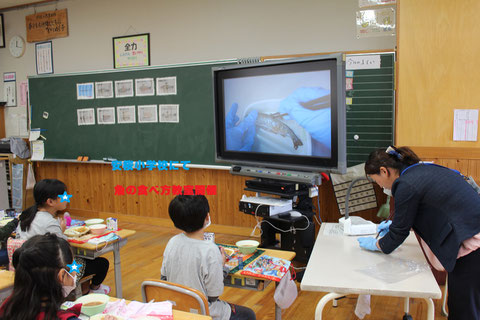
<point x="371" y="61"/>
<point x="465" y="125"/>
<point x="38" y="150"/>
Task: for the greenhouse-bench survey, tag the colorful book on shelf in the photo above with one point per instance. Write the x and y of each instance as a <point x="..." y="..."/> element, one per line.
<point x="267" y="267"/>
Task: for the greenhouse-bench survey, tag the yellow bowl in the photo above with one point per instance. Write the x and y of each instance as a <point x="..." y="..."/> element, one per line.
<point x="247" y="246"/>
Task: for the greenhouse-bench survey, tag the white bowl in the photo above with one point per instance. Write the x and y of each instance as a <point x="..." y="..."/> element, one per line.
<point x="98" y="228"/>
<point x="93" y="297"/>
<point x="93" y="221"/>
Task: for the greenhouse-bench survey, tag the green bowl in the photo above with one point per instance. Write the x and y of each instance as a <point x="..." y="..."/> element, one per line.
<point x="247" y="246"/>
<point x="92" y="298"/>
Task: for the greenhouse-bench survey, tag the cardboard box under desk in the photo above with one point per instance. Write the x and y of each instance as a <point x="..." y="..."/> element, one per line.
<point x="246" y="283"/>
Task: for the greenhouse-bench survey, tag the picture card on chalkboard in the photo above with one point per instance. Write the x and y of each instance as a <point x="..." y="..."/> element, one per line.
<point x="106" y="115"/>
<point x="168" y="113"/>
<point x="124" y="88"/>
<point x="144" y="87"/>
<point x="85" y="91"/>
<point x="104" y="89"/>
<point x="147" y="113"/>
<point x="85" y="117"/>
<point x="126" y="114"/>
<point x="166" y="86"/>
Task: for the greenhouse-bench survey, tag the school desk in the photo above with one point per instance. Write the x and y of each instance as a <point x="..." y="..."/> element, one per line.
<point x="287" y="255"/>
<point x="91" y="251"/>
<point x="335" y="265"/>
<point x="6" y="283"/>
<point x="180" y="315"/>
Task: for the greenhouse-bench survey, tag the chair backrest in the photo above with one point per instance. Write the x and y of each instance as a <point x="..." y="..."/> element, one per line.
<point x="12" y="245"/>
<point x="183" y="298"/>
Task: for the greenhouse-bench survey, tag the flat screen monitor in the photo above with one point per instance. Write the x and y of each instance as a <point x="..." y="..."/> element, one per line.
<point x="286" y="114"/>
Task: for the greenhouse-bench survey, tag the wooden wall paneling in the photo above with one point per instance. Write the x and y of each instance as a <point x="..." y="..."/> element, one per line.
<point x="438" y="49"/>
<point x="92" y="187"/>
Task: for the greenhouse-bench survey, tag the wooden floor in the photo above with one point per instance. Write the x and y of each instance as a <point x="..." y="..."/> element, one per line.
<point x="142" y="259"/>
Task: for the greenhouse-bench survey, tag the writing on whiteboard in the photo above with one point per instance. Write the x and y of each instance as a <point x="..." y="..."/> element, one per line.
<point x="363" y="62"/>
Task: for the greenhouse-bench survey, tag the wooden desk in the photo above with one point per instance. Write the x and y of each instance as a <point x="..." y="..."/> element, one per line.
<point x="91" y="251"/>
<point x="180" y="315"/>
<point x="287" y="255"/>
<point x="336" y="260"/>
<point x="6" y="283"/>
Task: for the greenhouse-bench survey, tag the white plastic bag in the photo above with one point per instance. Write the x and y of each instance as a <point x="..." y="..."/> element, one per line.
<point x="286" y="291"/>
<point x="30" y="177"/>
<point x="363" y="306"/>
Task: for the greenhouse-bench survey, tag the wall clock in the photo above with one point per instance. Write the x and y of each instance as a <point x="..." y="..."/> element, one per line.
<point x="16" y="46"/>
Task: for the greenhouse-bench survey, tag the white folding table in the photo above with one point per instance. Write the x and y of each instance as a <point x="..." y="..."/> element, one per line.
<point x="337" y="265"/>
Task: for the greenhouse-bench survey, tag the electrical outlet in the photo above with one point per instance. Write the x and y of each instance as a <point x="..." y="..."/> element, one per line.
<point x="312" y="192"/>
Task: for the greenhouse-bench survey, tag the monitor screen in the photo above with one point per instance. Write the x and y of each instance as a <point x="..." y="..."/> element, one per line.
<point x="284" y="114"/>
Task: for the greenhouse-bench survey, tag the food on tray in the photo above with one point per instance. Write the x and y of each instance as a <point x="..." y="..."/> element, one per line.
<point x="77" y="231"/>
<point x="93" y="303"/>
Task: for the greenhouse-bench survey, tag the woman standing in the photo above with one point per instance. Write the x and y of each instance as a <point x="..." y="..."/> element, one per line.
<point x="443" y="209"/>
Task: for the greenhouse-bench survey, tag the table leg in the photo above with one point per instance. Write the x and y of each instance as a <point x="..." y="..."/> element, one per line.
<point x="431" y="309"/>
<point x="278" y="312"/>
<point x="321" y="304"/>
<point x="118" y="270"/>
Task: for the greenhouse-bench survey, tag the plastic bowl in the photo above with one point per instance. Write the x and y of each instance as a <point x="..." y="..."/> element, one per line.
<point x="98" y="228"/>
<point x="89" y="222"/>
<point x="93" y="298"/>
<point x="247" y="246"/>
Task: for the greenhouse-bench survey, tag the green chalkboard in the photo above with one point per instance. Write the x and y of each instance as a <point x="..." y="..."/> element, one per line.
<point x="191" y="139"/>
<point x="370" y="116"/>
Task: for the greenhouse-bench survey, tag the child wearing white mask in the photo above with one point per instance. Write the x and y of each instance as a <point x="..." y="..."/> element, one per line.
<point x="45" y="273"/>
<point x="191" y="261"/>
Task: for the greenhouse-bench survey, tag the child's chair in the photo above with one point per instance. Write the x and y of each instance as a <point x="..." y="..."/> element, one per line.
<point x="183" y="298"/>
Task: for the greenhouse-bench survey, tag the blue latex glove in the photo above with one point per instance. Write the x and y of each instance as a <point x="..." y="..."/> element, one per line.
<point x="383" y="227"/>
<point x="369" y="243"/>
<point x="240" y="137"/>
<point x="316" y="122"/>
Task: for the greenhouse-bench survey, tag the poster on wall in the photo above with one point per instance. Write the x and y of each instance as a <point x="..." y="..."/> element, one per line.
<point x="376" y="23"/>
<point x="10" y="89"/>
<point x="44" y="57"/>
<point x="131" y="51"/>
<point x="47" y="25"/>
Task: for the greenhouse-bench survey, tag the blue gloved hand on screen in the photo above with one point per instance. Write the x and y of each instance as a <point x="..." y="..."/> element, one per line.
<point x="240" y="137"/>
<point x="310" y="107"/>
<point x="383" y="227"/>
<point x="369" y="243"/>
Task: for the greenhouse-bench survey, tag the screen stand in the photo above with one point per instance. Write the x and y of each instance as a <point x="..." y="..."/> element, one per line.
<point x="295" y="228"/>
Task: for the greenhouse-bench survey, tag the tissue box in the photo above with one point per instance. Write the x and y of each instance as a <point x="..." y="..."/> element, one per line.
<point x="112" y="224"/>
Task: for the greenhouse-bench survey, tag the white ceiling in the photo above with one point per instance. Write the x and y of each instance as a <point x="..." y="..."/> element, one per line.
<point x="12" y="3"/>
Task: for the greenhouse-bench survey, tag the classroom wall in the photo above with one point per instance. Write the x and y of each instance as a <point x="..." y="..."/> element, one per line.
<point x="181" y="31"/>
<point x="438" y="49"/>
<point x="186" y="31"/>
